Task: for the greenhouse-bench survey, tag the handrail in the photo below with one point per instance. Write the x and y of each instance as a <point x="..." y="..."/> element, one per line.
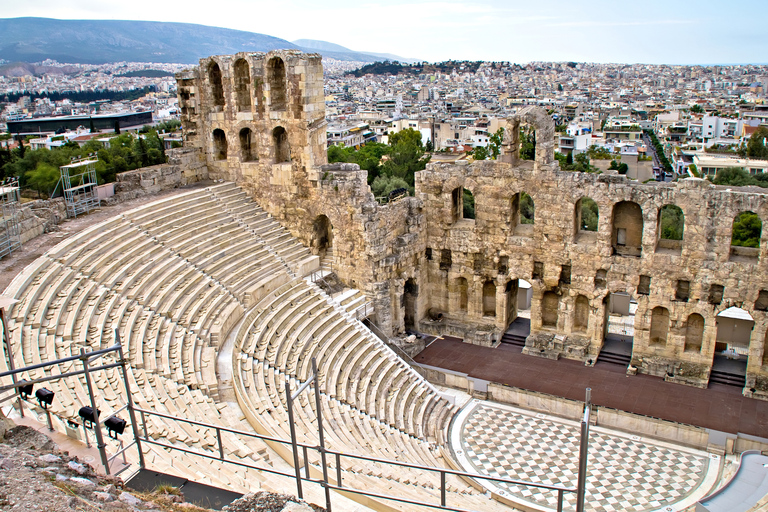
<point x="337" y="455"/>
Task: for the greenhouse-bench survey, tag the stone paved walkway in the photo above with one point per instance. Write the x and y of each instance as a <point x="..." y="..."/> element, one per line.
<point x="625" y="473"/>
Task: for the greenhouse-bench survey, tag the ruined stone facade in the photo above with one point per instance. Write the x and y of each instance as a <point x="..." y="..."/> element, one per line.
<point x="259" y="120"/>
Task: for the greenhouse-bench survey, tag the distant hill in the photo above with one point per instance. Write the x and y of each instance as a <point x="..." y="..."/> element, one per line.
<point x="325" y="46"/>
<point x="103" y="41"/>
<point x="16" y="69"/>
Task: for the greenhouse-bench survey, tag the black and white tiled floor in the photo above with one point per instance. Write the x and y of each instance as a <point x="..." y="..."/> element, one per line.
<point x="625" y="473"/>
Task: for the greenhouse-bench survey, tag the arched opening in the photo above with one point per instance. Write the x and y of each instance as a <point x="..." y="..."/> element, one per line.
<point x="322" y="236"/>
<point x="527" y="209"/>
<point x="619" y="310"/>
<point x="219" y="144"/>
<point x="746" y="231"/>
<point x="489" y="298"/>
<point x="581" y="314"/>
<point x="627" y="232"/>
<point x="694" y="332"/>
<point x="510" y="296"/>
<point x="671" y="225"/>
<point x="242" y="85"/>
<point x="730" y="358"/>
<point x="462" y="290"/>
<point x="217" y="89"/>
<point x="280" y="140"/>
<point x="247" y="149"/>
<point x="549" y="305"/>
<point x="586" y="215"/>
<point x="410" y="294"/>
<point x="276" y="80"/>
<point x="659" y="326"/>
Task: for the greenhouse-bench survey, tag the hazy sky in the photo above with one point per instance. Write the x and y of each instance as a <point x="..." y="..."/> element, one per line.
<point x="648" y="31"/>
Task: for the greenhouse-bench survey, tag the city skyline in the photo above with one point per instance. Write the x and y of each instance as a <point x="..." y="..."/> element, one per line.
<point x="654" y="32"/>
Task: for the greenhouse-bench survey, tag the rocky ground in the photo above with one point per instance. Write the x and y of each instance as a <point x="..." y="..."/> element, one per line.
<point x="37" y="477"/>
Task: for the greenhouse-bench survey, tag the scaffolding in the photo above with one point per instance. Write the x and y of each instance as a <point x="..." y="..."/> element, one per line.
<point x="78" y="182"/>
<point x="10" y="235"/>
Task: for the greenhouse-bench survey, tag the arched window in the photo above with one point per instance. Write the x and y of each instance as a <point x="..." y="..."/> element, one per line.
<point x="581" y="314"/>
<point x="280" y="139"/>
<point x="247" y="149"/>
<point x="627" y="232"/>
<point x="489" y="298"/>
<point x="242" y="85"/>
<point x="219" y="144"/>
<point x="276" y="80"/>
<point x="659" y="326"/>
<point x="670" y="228"/>
<point x="549" y="305"/>
<point x="217" y="89"/>
<point x="694" y="332"/>
<point x="586" y="215"/>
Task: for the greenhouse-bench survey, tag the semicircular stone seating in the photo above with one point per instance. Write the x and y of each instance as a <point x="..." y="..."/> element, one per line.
<point x="174" y="277"/>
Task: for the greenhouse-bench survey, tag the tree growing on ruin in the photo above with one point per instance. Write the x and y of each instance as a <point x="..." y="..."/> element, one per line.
<point x="756" y="147"/>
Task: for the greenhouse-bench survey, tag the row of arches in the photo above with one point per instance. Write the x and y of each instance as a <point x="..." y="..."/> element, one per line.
<point x="276" y="79"/>
<point x="248" y="148"/>
<point x="627" y="217"/>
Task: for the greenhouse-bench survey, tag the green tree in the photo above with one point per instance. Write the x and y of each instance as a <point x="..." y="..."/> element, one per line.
<point x="429" y="147"/>
<point x="756" y="145"/>
<point x="527" y="144"/>
<point x="406" y="156"/>
<point x="622" y="168"/>
<point x="672" y="222"/>
<point x="527" y="209"/>
<point x="480" y="153"/>
<point x="383" y="185"/>
<point x="696" y="109"/>
<point x="469" y="205"/>
<point x="496" y="140"/>
<point x="43" y="178"/>
<point x="589" y="214"/>
<point x="569" y="159"/>
<point x="614" y="165"/>
<point x="747" y="228"/>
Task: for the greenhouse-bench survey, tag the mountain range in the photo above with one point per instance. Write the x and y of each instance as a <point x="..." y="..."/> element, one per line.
<point x="103" y="41"/>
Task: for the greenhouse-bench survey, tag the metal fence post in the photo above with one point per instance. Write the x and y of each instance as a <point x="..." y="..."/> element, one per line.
<point x="294" y="446"/>
<point x="129" y="400"/>
<point x="583" y="454"/>
<point x="97" y="423"/>
<point x="321" y="436"/>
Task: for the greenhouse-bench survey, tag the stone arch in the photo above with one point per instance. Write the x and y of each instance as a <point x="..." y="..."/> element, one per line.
<point x="489" y="298"/>
<point x="746" y="231"/>
<point x="462" y="289"/>
<point x="242" y="85"/>
<point x="586" y="215"/>
<point x="627" y="230"/>
<point x="248" y="151"/>
<point x="276" y="80"/>
<point x="545" y="132"/>
<point x="694" y="333"/>
<point x="217" y="88"/>
<point x="549" y="309"/>
<point x="280" y="141"/>
<point x="670" y="228"/>
<point x="219" y="144"/>
<point x="581" y="314"/>
<point x="322" y="235"/>
<point x="659" y="330"/>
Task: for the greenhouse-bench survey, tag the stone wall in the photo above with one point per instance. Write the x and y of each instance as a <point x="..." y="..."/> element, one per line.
<point x="184" y="167"/>
<point x="258" y="119"/>
<point x="38" y="217"/>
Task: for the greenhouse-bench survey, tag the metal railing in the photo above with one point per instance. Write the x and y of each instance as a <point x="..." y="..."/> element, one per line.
<point x="303" y="468"/>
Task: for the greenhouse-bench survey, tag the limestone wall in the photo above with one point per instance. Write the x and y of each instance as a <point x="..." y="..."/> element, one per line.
<point x="184" y="167"/>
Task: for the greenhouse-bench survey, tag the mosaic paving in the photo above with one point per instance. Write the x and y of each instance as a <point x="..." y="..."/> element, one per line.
<point x="624" y="473"/>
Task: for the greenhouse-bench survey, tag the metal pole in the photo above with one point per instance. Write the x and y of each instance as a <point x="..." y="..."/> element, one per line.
<point x="321" y="436"/>
<point x="129" y="399"/>
<point x="559" y="500"/>
<point x="294" y="446"/>
<point x="50" y="422"/>
<point x="583" y="454"/>
<point x="7" y="344"/>
<point x="442" y="488"/>
<point x="97" y="424"/>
